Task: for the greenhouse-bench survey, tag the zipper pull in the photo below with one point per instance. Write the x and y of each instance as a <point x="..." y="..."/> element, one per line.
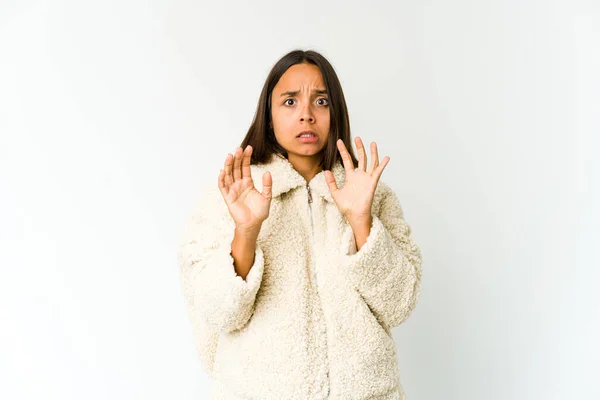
<point x="309" y="194"/>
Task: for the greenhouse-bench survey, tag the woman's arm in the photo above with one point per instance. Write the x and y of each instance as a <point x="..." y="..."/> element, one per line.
<point x="243" y="248"/>
<point x="386" y="269"/>
<point x="221" y="269"/>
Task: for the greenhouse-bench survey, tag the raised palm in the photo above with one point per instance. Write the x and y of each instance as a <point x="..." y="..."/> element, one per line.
<point x="248" y="207"/>
<point x="354" y="200"/>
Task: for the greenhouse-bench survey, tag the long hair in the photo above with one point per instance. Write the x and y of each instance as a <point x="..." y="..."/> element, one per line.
<point x="261" y="136"/>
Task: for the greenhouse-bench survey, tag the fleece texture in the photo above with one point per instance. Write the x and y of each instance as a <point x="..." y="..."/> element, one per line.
<point x="312" y="319"/>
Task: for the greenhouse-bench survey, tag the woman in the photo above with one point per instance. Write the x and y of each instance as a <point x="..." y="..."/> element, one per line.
<point x="297" y="264"/>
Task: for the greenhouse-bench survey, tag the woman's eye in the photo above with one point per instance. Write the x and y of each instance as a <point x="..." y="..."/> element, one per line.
<point x="321" y="99"/>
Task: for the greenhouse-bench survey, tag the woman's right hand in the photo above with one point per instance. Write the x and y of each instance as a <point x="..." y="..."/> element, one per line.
<point x="248" y="207"/>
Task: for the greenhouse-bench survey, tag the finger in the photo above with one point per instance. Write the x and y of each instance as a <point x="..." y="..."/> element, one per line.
<point x="374" y="158"/>
<point x="237" y="163"/>
<point x="348" y="164"/>
<point x="267" y="182"/>
<point x="246" y="162"/>
<point x="221" y="180"/>
<point x="223" y="188"/>
<point x="380" y="168"/>
<point x="228" y="170"/>
<point x="362" y="154"/>
<point x="331" y="184"/>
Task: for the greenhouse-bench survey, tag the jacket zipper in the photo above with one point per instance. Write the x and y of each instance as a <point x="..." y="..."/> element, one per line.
<point x="310" y="199"/>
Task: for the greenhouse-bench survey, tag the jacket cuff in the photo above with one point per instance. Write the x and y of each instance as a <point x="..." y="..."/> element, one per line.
<point x="225" y="297"/>
<point x="225" y="273"/>
<point x="367" y="267"/>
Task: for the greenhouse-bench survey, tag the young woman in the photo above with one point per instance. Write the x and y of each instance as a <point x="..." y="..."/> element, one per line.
<point x="298" y="262"/>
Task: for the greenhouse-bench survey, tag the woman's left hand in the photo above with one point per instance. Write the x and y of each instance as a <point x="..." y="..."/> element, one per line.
<point x="355" y="198"/>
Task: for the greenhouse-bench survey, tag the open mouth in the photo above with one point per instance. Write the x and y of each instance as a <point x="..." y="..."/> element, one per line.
<point x="308" y="138"/>
<point x="306" y="134"/>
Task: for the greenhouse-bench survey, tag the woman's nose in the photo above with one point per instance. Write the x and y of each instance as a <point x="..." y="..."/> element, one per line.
<point x="307" y="114"/>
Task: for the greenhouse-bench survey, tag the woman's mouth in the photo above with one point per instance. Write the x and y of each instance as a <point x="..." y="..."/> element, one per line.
<point x="308" y="138"/>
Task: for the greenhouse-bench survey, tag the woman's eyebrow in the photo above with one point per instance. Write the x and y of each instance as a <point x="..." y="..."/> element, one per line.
<point x="293" y="93"/>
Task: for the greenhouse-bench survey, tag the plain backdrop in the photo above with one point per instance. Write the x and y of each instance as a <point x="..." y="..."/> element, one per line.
<point x="115" y="114"/>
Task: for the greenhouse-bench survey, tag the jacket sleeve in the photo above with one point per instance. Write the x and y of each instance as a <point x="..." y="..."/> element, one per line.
<point x="386" y="271"/>
<point x="218" y="299"/>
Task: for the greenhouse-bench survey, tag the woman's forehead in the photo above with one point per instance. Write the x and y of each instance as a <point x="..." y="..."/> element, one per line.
<point x="301" y="78"/>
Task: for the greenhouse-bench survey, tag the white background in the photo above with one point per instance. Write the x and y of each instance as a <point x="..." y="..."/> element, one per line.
<point x="115" y="114"/>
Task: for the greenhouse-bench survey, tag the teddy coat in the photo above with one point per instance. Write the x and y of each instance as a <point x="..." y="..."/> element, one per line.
<point x="312" y="319"/>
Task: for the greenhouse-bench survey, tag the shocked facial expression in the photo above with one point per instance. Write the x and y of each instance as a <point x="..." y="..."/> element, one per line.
<point x="300" y="111"/>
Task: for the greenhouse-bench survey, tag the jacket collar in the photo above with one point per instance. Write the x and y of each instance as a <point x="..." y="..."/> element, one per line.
<point x="285" y="177"/>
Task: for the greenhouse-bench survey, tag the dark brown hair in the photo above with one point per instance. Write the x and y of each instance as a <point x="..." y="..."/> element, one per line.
<point x="261" y="136"/>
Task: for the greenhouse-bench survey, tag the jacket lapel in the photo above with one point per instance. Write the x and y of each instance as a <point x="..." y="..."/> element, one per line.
<point x="285" y="177"/>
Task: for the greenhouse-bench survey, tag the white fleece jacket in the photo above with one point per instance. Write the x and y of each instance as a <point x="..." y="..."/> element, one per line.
<point x="312" y="319"/>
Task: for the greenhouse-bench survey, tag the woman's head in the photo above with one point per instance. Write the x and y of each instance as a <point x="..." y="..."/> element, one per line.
<point x="302" y="92"/>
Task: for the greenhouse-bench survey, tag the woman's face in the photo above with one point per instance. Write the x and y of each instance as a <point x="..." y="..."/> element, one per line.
<point x="299" y="102"/>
